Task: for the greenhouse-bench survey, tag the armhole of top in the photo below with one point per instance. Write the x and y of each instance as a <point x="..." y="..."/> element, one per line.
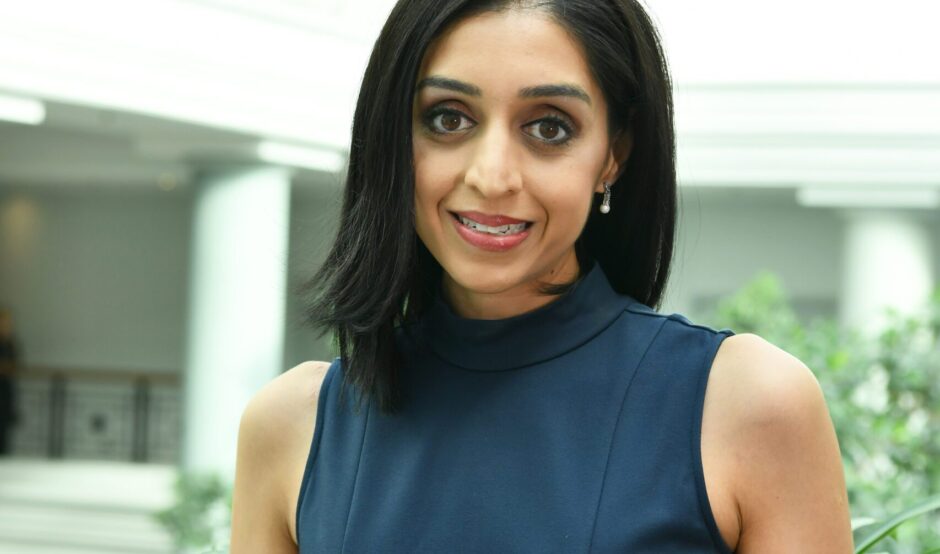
<point x="699" y="469"/>
<point x="315" y="442"/>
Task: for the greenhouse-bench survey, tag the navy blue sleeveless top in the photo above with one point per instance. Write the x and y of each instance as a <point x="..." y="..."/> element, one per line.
<point x="575" y="427"/>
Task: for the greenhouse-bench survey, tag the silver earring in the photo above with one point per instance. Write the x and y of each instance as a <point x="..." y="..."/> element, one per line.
<point x="605" y="205"/>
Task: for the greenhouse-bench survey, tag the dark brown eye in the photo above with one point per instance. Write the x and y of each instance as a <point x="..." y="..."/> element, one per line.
<point x="548" y="130"/>
<point x="551" y="130"/>
<point x="450" y="122"/>
<point x="443" y="121"/>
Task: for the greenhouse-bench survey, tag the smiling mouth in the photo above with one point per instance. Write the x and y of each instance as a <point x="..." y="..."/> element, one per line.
<point x="503" y="230"/>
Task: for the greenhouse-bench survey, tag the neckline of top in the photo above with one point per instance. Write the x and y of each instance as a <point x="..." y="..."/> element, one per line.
<point x="538" y="335"/>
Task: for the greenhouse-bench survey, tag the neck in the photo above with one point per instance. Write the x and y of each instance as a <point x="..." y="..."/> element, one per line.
<point x="518" y="299"/>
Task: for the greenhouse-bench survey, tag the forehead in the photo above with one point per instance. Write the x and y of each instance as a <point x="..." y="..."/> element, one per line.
<point x="503" y="51"/>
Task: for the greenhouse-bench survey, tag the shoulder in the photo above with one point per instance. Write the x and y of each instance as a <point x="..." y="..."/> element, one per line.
<point x="273" y="436"/>
<point x="277" y="405"/>
<point x="675" y="319"/>
<point x="299" y="383"/>
<point x="766" y="385"/>
<point x="764" y="392"/>
<point x="783" y="452"/>
<point x="279" y="418"/>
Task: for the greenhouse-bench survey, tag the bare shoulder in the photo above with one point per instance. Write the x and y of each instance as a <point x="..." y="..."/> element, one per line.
<point x="282" y="412"/>
<point x="761" y="380"/>
<point x="782" y="461"/>
<point x="281" y="400"/>
<point x="273" y="435"/>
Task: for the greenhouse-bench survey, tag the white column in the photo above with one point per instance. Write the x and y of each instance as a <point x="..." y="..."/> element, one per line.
<point x="888" y="264"/>
<point x="236" y="316"/>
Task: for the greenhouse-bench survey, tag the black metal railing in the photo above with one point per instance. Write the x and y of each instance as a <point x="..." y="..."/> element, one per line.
<point x="100" y="415"/>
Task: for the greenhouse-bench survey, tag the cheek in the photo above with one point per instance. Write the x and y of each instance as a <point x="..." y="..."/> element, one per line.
<point x="565" y="193"/>
<point x="435" y="173"/>
<point x="431" y="187"/>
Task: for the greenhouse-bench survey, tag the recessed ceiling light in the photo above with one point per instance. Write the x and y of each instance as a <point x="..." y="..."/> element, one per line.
<point x="863" y="197"/>
<point x="22" y="110"/>
<point x="309" y="157"/>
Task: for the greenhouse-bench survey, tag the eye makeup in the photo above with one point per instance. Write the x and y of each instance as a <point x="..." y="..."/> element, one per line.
<point x="433" y="119"/>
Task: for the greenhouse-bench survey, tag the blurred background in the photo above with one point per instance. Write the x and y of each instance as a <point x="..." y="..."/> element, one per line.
<point x="171" y="170"/>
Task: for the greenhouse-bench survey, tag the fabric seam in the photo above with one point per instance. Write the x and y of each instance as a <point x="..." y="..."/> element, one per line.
<point x="610" y="448"/>
<point x="674" y="317"/>
<point x="352" y="496"/>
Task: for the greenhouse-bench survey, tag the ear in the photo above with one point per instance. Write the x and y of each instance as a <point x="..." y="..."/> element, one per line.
<point x="620" y="148"/>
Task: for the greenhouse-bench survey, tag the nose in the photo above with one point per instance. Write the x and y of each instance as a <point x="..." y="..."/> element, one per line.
<point x="494" y="164"/>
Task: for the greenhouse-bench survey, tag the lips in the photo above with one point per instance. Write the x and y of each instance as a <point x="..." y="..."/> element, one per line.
<point x="488" y="241"/>
<point x="490" y="220"/>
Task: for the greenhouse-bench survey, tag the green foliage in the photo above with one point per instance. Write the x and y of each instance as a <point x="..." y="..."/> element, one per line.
<point x="883" y="394"/>
<point x="868" y="536"/>
<point x="201" y="516"/>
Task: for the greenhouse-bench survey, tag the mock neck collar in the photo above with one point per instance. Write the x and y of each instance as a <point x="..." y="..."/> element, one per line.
<point x="546" y="332"/>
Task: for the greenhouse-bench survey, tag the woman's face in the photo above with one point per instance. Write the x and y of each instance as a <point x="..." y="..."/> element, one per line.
<point x="508" y="122"/>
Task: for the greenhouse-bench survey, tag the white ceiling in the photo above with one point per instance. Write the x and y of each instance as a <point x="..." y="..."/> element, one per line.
<point x="81" y="146"/>
<point x="802" y="93"/>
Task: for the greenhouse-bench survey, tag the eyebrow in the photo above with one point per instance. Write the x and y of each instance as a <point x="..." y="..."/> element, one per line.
<point x="540" y="91"/>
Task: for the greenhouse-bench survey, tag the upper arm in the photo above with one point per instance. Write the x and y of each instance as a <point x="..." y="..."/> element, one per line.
<point x="789" y="480"/>
<point x="269" y="447"/>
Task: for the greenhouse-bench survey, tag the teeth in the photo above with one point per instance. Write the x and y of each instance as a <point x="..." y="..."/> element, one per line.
<point x="503" y="230"/>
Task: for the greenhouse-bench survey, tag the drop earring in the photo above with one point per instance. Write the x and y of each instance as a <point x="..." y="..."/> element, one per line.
<point x="605" y="205"/>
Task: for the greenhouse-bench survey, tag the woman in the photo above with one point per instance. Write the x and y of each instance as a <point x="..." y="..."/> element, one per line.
<point x="506" y="233"/>
<point x="9" y="362"/>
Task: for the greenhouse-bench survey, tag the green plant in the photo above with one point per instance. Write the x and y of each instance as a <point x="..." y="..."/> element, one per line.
<point x="883" y="394"/>
<point x="200" y="517"/>
<point x="869" y="535"/>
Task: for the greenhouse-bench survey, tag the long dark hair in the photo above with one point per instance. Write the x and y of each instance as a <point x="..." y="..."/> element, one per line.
<point x="378" y="274"/>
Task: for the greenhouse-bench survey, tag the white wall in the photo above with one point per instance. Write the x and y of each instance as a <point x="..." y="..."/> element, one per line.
<point x="726" y="237"/>
<point x="96" y="279"/>
<point x="314" y="214"/>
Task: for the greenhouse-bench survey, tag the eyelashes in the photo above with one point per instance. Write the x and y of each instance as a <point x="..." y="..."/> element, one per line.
<point x="435" y="118"/>
<point x="560" y="129"/>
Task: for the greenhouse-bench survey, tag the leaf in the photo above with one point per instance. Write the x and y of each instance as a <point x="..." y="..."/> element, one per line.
<point x="861" y="522"/>
<point x="888" y="527"/>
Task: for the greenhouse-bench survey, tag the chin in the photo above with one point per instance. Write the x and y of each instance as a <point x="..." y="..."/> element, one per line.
<point x="473" y="277"/>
